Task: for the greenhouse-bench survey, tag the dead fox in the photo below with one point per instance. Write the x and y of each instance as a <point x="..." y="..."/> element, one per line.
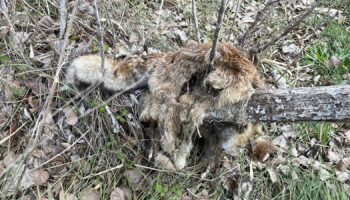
<point x="182" y="87"/>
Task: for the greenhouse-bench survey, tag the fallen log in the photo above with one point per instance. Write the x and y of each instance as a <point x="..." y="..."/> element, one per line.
<point x="326" y="103"/>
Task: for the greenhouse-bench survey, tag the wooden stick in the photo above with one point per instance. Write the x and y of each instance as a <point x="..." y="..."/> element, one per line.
<point x="217" y="30"/>
<point x="326" y="103"/>
<point x="195" y="20"/>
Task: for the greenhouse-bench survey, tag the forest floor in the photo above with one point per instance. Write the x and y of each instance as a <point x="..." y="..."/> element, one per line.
<point x="55" y="154"/>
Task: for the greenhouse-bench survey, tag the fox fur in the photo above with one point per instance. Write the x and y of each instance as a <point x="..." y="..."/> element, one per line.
<point x="182" y="87"/>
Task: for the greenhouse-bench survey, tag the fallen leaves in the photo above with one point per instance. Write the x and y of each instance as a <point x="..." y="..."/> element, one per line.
<point x="40" y="42"/>
<point x="134" y="178"/>
<point x="90" y="193"/>
<point x="120" y="194"/>
<point x="71" y="117"/>
<point x="40" y="177"/>
<point x="4" y="30"/>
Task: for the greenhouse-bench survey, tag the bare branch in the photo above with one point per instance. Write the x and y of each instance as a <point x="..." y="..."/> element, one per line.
<point x="261" y="15"/>
<point x="195" y="19"/>
<point x="217" y="30"/>
<point x="63" y="16"/>
<point x="233" y="20"/>
<point x="286" y="31"/>
<point x="160" y="13"/>
<point x="46" y="110"/>
<point x="47" y="105"/>
<point x="3" y="6"/>
<point x="326" y="103"/>
<point x="100" y="37"/>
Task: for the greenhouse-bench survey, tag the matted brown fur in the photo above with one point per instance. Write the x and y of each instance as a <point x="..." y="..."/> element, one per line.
<point x="183" y="87"/>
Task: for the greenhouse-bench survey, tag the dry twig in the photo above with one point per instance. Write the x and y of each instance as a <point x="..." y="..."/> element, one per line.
<point x="259" y="17"/>
<point x="100" y="35"/>
<point x="160" y="13"/>
<point x="195" y="19"/>
<point x="285" y="32"/>
<point x="46" y="111"/>
<point x="217" y="30"/>
<point x="63" y="16"/>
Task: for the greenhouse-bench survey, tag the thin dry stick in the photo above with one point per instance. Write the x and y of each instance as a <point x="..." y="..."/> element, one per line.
<point x="233" y="20"/>
<point x="160" y="13"/>
<point x="302" y="50"/>
<point x="47" y="106"/>
<point x="3" y="6"/>
<point x="100" y="35"/>
<point x="259" y="17"/>
<point x="62" y="152"/>
<point x="45" y="112"/>
<point x="286" y="31"/>
<point x="217" y="30"/>
<point x="195" y="19"/>
<point x="103" y="172"/>
<point x="63" y="16"/>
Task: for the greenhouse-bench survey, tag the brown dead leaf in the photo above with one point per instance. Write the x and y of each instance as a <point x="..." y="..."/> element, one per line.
<point x="342" y="176"/>
<point x="21" y="37"/>
<point x="315" y="165"/>
<point x="280" y="141"/>
<point x="9" y="158"/>
<point x="333" y="156"/>
<point x="284" y="169"/>
<point x="120" y="193"/>
<point x="347" y="135"/>
<point x="40" y="177"/>
<point x="343" y="164"/>
<point x="67" y="196"/>
<point x="38" y="153"/>
<point x="302" y="160"/>
<point x="4" y="30"/>
<point x="346" y="76"/>
<point x="71" y="117"/>
<point x="134" y="177"/>
<point x="90" y="193"/>
<point x="2" y="166"/>
<point x="47" y="25"/>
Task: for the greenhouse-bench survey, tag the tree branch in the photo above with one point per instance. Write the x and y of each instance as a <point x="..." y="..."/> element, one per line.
<point x="217" y="30"/>
<point x="100" y="37"/>
<point x="286" y="31"/>
<point x="326" y="103"/>
<point x="259" y="17"/>
<point x="195" y="19"/>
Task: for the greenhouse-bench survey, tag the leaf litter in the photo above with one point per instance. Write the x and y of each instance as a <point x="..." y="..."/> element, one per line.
<point x="41" y="43"/>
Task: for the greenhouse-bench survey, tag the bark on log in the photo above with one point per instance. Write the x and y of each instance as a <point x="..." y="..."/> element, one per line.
<point x="326" y="103"/>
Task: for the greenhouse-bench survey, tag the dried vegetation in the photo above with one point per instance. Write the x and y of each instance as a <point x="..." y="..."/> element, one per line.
<point x="56" y="143"/>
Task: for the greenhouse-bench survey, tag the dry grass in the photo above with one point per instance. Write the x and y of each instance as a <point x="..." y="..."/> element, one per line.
<point x="106" y="150"/>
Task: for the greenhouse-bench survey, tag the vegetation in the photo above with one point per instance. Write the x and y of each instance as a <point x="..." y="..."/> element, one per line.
<point x="104" y="155"/>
